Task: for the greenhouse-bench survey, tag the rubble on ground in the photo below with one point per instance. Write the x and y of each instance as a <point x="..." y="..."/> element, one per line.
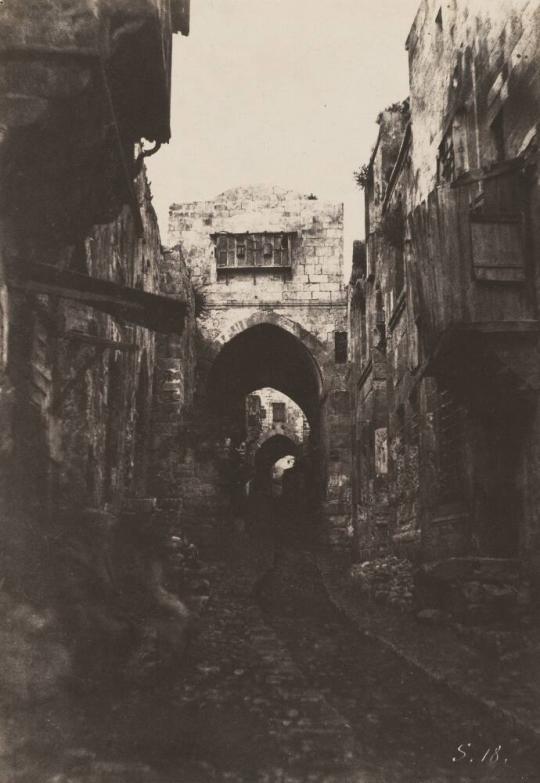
<point x="474" y="591"/>
<point x="387" y="580"/>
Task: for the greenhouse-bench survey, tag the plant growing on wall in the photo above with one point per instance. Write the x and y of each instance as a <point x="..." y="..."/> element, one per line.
<point x="200" y="299"/>
<point x="361" y="176"/>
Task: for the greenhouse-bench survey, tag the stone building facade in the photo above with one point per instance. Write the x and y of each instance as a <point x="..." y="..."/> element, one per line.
<point x="271" y="413"/>
<point x="81" y="271"/>
<point x="443" y="305"/>
<point x="268" y="264"/>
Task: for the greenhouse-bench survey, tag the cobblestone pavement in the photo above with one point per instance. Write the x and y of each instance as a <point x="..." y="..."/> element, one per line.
<point x="406" y="728"/>
<point x="280" y="688"/>
<point x="504" y="678"/>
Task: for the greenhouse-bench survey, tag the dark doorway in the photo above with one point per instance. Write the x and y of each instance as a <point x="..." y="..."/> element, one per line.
<point x="270" y="452"/>
<point x="269" y="356"/>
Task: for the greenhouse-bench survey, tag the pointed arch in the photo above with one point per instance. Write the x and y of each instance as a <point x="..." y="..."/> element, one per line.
<point x="314" y="346"/>
<point x="267" y="350"/>
<point x="273" y="448"/>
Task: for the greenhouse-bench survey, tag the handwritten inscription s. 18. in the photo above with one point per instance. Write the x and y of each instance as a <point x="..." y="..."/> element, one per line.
<point x="494" y="755"/>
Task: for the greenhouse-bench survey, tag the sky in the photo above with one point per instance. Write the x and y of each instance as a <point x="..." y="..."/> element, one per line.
<point x="282" y="92"/>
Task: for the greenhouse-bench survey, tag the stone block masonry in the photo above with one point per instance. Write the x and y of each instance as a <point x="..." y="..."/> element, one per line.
<point x="443" y="312"/>
<point x="80" y="256"/>
<point x="269" y="262"/>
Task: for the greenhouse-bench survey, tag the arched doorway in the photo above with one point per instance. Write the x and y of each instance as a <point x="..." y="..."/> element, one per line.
<point x="271" y="451"/>
<point x="267" y="356"/>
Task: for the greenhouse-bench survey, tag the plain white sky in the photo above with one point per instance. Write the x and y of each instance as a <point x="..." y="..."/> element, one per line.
<point x="283" y="92"/>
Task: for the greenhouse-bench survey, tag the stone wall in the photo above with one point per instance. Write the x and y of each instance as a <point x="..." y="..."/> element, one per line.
<point x="83" y="381"/>
<point x="445" y="350"/>
<point x="487" y="50"/>
<point x="317" y="255"/>
<point x="294" y="425"/>
<point x="305" y="300"/>
<point x="80" y="259"/>
<point x="82" y="535"/>
<point x="108" y="405"/>
<point x="174" y="390"/>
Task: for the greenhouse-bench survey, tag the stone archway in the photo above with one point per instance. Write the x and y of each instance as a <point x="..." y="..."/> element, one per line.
<point x="264" y="353"/>
<point x="287" y="435"/>
<point x="288" y="303"/>
<point x="273" y="448"/>
<point x="272" y="318"/>
<point x="209" y="471"/>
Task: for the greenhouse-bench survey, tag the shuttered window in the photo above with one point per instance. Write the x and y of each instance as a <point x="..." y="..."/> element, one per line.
<point x="250" y="251"/>
<point x="497" y="249"/>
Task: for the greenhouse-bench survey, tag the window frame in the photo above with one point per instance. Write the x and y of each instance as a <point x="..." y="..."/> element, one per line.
<point x="282" y="418"/>
<point x="341" y="347"/>
<point x="253" y="251"/>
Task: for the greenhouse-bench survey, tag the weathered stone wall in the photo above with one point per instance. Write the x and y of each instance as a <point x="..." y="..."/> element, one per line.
<point x="110" y="395"/>
<point x="318" y="254"/>
<point x="384" y="339"/>
<point x="83" y="380"/>
<point x="307" y="301"/>
<point x="481" y="57"/>
<point x="75" y="464"/>
<point x="81" y="85"/>
<point x="174" y="387"/>
<point x="261" y="425"/>
<point x="457" y="479"/>
<point x="295" y="425"/>
<point x="482" y="94"/>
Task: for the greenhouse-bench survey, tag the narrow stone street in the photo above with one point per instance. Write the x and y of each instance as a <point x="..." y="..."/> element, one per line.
<point x="269" y="383"/>
<point x="279" y="687"/>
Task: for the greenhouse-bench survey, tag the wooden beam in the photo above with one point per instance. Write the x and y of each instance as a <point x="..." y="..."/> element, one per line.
<point x="498" y="170"/>
<point x="152" y="311"/>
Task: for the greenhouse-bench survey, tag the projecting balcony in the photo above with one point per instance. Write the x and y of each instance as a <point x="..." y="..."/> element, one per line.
<point x="471" y="258"/>
<point x="473" y="280"/>
<point x="253" y="254"/>
<point x="164" y="314"/>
